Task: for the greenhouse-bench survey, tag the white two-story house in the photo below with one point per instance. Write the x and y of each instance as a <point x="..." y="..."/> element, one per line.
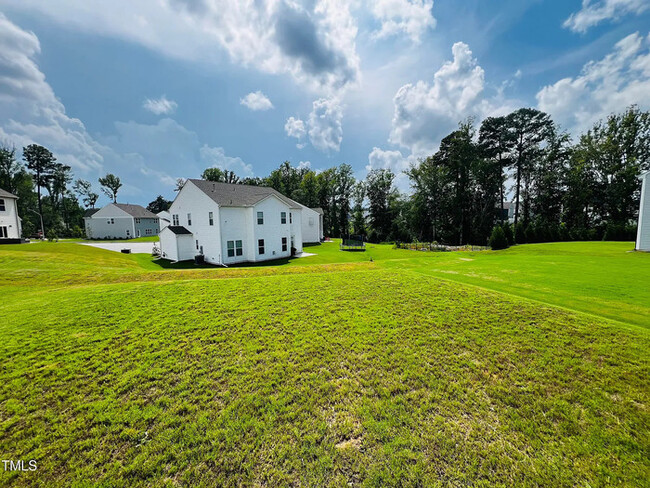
<point x="120" y="221"/>
<point x="9" y="221"/>
<point x="228" y="223"/>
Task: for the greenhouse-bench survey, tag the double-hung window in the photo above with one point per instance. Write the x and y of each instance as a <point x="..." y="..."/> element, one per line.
<point x="137" y="221"/>
<point x="283" y="217"/>
<point x="284" y="244"/>
<point x="189" y="219"/>
<point x="235" y="248"/>
<point x="290" y="218"/>
<point x="260" y="218"/>
<point x="2" y="205"/>
<point x="260" y="246"/>
<point x="148" y="232"/>
<point x="175" y="219"/>
<point x="211" y="218"/>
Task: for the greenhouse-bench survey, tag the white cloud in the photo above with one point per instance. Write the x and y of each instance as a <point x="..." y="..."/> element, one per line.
<point x="295" y="128"/>
<point x="160" y="106"/>
<point x="325" y="128"/>
<point x="314" y="42"/>
<point x="425" y="112"/>
<point x="304" y="165"/>
<point x="256" y="101"/>
<point x="411" y="17"/>
<point x="216" y="157"/>
<point x="31" y="113"/>
<point x="620" y="79"/>
<point x="593" y="13"/>
<point x="394" y="161"/>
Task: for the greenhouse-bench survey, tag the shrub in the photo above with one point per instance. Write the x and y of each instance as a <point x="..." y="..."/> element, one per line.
<point x="498" y="239"/>
<point x="520" y="233"/>
<point x="507" y="230"/>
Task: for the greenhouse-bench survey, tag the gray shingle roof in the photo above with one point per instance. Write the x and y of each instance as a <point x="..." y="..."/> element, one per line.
<point x="233" y="195"/>
<point x="178" y="229"/>
<point x="318" y="210"/>
<point x="90" y="212"/>
<point x="6" y="194"/>
<point x="136" y="211"/>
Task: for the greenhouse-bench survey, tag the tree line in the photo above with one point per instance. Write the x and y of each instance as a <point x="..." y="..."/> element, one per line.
<point x="49" y="198"/>
<point x="587" y="189"/>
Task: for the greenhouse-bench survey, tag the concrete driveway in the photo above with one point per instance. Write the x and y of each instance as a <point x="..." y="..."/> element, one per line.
<point x="136" y="247"/>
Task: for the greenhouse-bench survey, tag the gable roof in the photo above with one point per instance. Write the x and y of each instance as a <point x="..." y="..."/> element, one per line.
<point x="318" y="210"/>
<point x="6" y="194"/>
<point x="234" y="195"/>
<point x="136" y="211"/>
<point x="90" y="212"/>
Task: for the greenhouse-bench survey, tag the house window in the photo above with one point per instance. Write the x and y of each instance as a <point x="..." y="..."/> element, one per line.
<point x="290" y="218"/>
<point x="235" y="248"/>
<point x="155" y="221"/>
<point x="189" y="219"/>
<point x="211" y="218"/>
<point x="197" y="244"/>
<point x="2" y="205"/>
<point x="260" y="218"/>
<point x="260" y="246"/>
<point x="137" y="221"/>
<point x="284" y="244"/>
<point x="148" y="232"/>
<point x="283" y="217"/>
<point x="112" y="221"/>
<point x="175" y="219"/>
<point x="4" y="232"/>
<point x="128" y="233"/>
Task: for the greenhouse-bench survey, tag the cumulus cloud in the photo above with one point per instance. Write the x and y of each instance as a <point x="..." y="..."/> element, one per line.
<point x="425" y="112"/>
<point x="394" y="161"/>
<point x="160" y="106"/>
<point x="295" y="128"/>
<point x="593" y="13"/>
<point x="314" y="42"/>
<point x="620" y="79"/>
<point x="31" y="113"/>
<point x="410" y="17"/>
<point x="216" y="157"/>
<point x="304" y="165"/>
<point x="256" y="101"/>
<point x="325" y="128"/>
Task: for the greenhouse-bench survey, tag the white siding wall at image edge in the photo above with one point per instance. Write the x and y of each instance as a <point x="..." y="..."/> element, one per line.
<point x="643" y="231"/>
<point x="9" y="218"/>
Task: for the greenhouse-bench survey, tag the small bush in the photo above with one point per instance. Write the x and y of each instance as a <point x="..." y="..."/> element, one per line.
<point x="507" y="230"/>
<point x="498" y="239"/>
<point x="520" y="233"/>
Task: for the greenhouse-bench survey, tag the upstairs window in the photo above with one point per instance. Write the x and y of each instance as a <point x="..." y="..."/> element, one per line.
<point x="175" y="219"/>
<point x="284" y="244"/>
<point x="189" y="219"/>
<point x="260" y="246"/>
<point x="2" y="205"/>
<point x="260" y="218"/>
<point x="211" y="218"/>
<point x="283" y="217"/>
<point x="137" y="221"/>
<point x="290" y="218"/>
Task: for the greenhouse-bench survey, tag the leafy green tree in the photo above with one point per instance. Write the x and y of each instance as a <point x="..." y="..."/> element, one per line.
<point x="160" y="204"/>
<point x="344" y="184"/>
<point x="41" y="162"/>
<point x="84" y="189"/>
<point x="379" y="186"/>
<point x="358" y="217"/>
<point x="110" y="186"/>
<point x="220" y="175"/>
<point x="528" y="128"/>
<point x="496" y="144"/>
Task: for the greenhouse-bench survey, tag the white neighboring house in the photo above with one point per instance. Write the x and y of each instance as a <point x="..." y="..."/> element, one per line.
<point x="312" y="225"/>
<point x="643" y="229"/>
<point x="121" y="221"/>
<point x="228" y="223"/>
<point x="164" y="219"/>
<point x="9" y="220"/>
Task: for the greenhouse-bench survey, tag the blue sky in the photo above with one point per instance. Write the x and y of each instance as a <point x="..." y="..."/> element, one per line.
<point x="155" y="90"/>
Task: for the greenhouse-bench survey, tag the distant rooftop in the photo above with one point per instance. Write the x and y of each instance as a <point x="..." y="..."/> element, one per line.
<point x="136" y="211"/>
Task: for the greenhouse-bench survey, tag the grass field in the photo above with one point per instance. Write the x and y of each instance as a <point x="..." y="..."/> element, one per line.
<point x="328" y="370"/>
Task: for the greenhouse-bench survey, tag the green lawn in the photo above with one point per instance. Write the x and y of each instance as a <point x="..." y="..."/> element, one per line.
<point x="328" y="370"/>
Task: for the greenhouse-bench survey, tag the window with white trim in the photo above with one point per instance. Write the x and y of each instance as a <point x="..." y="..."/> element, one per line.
<point x="2" y="205"/>
<point x="260" y="246"/>
<point x="175" y="219"/>
<point x="211" y="218"/>
<point x="137" y="221"/>
<point x="283" y="217"/>
<point x="235" y="248"/>
<point x="290" y="218"/>
<point x="189" y="219"/>
<point x="260" y="218"/>
<point x="284" y="244"/>
<point x="148" y="232"/>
